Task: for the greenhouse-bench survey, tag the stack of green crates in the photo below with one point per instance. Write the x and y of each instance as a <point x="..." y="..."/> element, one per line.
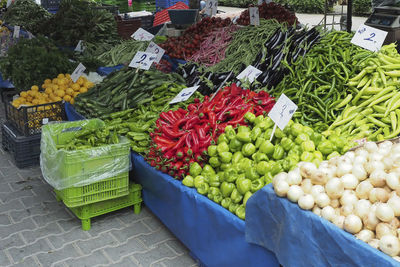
<point x="142" y="5"/>
<point x="96" y="198"/>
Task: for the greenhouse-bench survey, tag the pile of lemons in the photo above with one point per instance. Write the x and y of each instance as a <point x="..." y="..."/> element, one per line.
<point x="57" y="89"/>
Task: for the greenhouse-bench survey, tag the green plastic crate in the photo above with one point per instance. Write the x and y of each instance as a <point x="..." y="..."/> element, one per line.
<point x="99" y="191"/>
<point x="85" y="213"/>
<point x="67" y="169"/>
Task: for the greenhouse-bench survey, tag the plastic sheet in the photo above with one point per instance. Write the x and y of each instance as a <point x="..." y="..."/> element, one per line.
<point x="301" y="238"/>
<point x="174" y="61"/>
<point x="5" y="83"/>
<point x="213" y="234"/>
<point x="72" y="114"/>
<point x="104" y="71"/>
<point x="64" y="168"/>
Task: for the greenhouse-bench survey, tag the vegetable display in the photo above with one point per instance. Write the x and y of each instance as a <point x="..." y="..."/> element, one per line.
<point x="122" y="53"/>
<point x="356" y="192"/>
<point x="183" y="136"/>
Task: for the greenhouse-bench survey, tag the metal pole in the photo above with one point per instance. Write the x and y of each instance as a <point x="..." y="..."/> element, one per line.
<point x="349" y="14"/>
<point x="325" y="12"/>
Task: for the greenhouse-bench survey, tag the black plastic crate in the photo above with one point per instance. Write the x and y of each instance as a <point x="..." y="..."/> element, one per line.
<point x="7" y="94"/>
<point x="25" y="150"/>
<point x="146" y="22"/>
<point x="112" y="9"/>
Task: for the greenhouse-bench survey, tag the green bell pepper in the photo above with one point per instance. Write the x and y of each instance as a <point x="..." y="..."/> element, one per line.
<point x="287" y="144"/>
<point x="257" y="185"/>
<point x="325" y="147"/>
<point x="308" y="130"/>
<point x="203" y="188"/>
<point x="279" y="133"/>
<point x="302" y="137"/>
<point x="222" y="139"/>
<point x="259" y="141"/>
<point x="241" y="212"/>
<point x="214" y="162"/>
<point x="267" y="134"/>
<point x="275" y="167"/>
<point x="243" y="186"/>
<point x="233" y="206"/>
<point x="289" y="162"/>
<point x="246" y="197"/>
<point x="235" y="145"/>
<point x="212" y="151"/>
<point x="308" y="146"/>
<point x="209" y="196"/>
<point x="226" y="202"/>
<point x="255" y="133"/>
<point x="222" y="147"/>
<point x="225" y="157"/>
<point x="230" y="175"/>
<point x="248" y="149"/>
<point x="245" y="163"/>
<point x="214" y="180"/>
<point x="225" y="166"/>
<point x="316" y="162"/>
<point x="296" y="129"/>
<point x="262" y="167"/>
<point x="267" y="147"/>
<point x="217" y="198"/>
<point x="213" y="190"/>
<point x="259" y="119"/>
<point x="207" y="169"/>
<point x="307" y="156"/>
<point x="316" y="138"/>
<point x="242" y="129"/>
<point x="250" y="117"/>
<point x="332" y="155"/>
<point x="188" y="181"/>
<point x="195" y="169"/>
<point x="318" y="155"/>
<point x="227" y="188"/>
<point x="198" y="180"/>
<point x="244" y="137"/>
<point x="230" y="132"/>
<point x="251" y="174"/>
<point x="237" y="156"/>
<point x="258" y="156"/>
<point x="236" y="196"/>
<point x="278" y="152"/>
<point x="268" y="178"/>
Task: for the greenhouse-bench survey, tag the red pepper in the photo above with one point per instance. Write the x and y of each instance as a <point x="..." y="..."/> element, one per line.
<point x="178" y="124"/>
<point x="166" y="117"/>
<point x="181" y="174"/>
<point x="192" y="107"/>
<point x="163" y="141"/>
<point x="170" y="133"/>
<point x="171" y="173"/>
<point x="195" y="139"/>
<point x="213" y="119"/>
<point x="188" y="151"/>
<point x="180" y="143"/>
<point x="177" y="165"/>
<point x="201" y="131"/>
<point x="179" y="153"/>
<point x="191" y="122"/>
<point x="182" y="111"/>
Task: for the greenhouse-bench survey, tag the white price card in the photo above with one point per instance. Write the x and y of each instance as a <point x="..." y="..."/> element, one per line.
<point x="184" y="94"/>
<point x="254" y="16"/>
<point x="79" y="47"/>
<point x="142" y="60"/>
<point x="45" y="120"/>
<point x="155" y="49"/>
<point x="250" y="73"/>
<point x="282" y="111"/>
<point x="369" y="38"/>
<point x="142" y="35"/>
<point x="9" y="3"/>
<point x="16" y="31"/>
<point x="211" y="7"/>
<point x="78" y="72"/>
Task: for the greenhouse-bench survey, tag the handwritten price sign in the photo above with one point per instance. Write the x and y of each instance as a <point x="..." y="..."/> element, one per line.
<point x="254" y="16"/>
<point x="282" y="111"/>
<point x="369" y="38"/>
<point x="142" y="60"/>
<point x="142" y="35"/>
<point x="79" y="47"/>
<point x="250" y="73"/>
<point x="211" y="7"/>
<point x="78" y="72"/>
<point x="184" y="94"/>
<point x="17" y="29"/>
<point x="155" y="49"/>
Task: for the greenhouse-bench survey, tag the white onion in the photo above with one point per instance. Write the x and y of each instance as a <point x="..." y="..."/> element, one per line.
<point x="294" y="193"/>
<point x="394" y="203"/>
<point x="384" y="150"/>
<point x="375" y="157"/>
<point x="281" y="188"/>
<point x="371" y="166"/>
<point x="339" y="221"/>
<point x="388" y="162"/>
<point x="349" y="181"/>
<point x="395" y="223"/>
<point x="316" y="190"/>
<point x="378" y="178"/>
<point x="294" y="177"/>
<point x="306" y="185"/>
<point x="346" y="210"/>
<point x="392" y="180"/>
<point x="384" y="212"/>
<point x="328" y="213"/>
<point x="359" y="172"/>
<point x="374" y="243"/>
<point x="361" y="208"/>
<point x="370" y="221"/>
<point x="371" y="147"/>
<point x="395" y="147"/>
<point x="338" y="211"/>
<point x="386" y="144"/>
<point x="365" y="235"/>
<point x="322" y="200"/>
<point x="363" y="189"/>
<point x="350" y="154"/>
<point x="378" y="194"/>
<point x="306" y="202"/>
<point x="352" y="224"/>
<point x="344" y="168"/>
<point x="307" y="169"/>
<point x="334" y="161"/>
<point x="348" y="198"/>
<point x="388" y="190"/>
<point x="383" y="229"/>
<point x="390" y="245"/>
<point x="316" y="211"/>
<point x="324" y="164"/>
<point x="278" y="178"/>
<point x="360" y="159"/>
<point x="335" y="203"/>
<point x="334" y="188"/>
<point x="322" y="175"/>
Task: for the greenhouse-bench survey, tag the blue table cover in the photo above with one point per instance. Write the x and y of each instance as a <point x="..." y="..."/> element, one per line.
<point x="174" y="61"/>
<point x="104" y="71"/>
<point x="5" y="83"/>
<point x="71" y="113"/>
<point x="301" y="238"/>
<point x="213" y="234"/>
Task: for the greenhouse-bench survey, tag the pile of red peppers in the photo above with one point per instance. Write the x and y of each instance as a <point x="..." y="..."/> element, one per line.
<point x="182" y="137"/>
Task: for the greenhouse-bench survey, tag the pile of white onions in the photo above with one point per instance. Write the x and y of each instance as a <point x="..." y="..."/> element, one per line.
<point x="358" y="192"/>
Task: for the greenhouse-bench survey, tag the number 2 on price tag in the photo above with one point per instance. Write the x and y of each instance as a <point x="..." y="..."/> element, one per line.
<point x="369" y="38"/>
<point x="211" y="7"/>
<point x="142" y="60"/>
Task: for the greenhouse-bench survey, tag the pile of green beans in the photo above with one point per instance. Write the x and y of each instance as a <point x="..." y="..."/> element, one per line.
<point x="317" y="82"/>
<point x="122" y="53"/>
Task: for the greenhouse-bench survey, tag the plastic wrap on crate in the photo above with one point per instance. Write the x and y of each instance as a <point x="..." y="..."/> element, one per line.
<point x="104" y="71"/>
<point x="301" y="238"/>
<point x="72" y="114"/>
<point x="174" y="61"/>
<point x="64" y="169"/>
<point x="5" y="83"/>
<point x="213" y="234"/>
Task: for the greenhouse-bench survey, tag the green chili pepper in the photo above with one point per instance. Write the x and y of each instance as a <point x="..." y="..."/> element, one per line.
<point x="226" y="202"/>
<point x="188" y="181"/>
<point x="244" y="137"/>
<point x="241" y="212"/>
<point x="235" y="145"/>
<point x="212" y="151"/>
<point x="198" y="180"/>
<point x="267" y="147"/>
<point x="195" y="169"/>
<point x="203" y="188"/>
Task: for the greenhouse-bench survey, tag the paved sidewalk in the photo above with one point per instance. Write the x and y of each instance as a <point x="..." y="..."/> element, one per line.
<point x="36" y="230"/>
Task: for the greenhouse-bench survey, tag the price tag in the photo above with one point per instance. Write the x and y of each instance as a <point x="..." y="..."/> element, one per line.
<point x="184" y="94"/>
<point x="16" y="31"/>
<point x="45" y="120"/>
<point x="155" y="49"/>
<point x="250" y="73"/>
<point x="142" y="35"/>
<point x="78" y="72"/>
<point x="8" y="3"/>
<point x="282" y="111"/>
<point x="30" y="35"/>
<point x="369" y="38"/>
<point x="142" y="60"/>
<point x="264" y="1"/>
<point x="79" y="47"/>
<point x="254" y="16"/>
<point x="211" y="7"/>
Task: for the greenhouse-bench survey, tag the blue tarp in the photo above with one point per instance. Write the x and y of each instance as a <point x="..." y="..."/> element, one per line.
<point x="72" y="115"/>
<point x="213" y="234"/>
<point x="301" y="238"/>
<point x="174" y="61"/>
<point x="104" y="71"/>
<point x="5" y="83"/>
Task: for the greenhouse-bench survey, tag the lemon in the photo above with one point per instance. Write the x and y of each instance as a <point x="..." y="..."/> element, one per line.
<point x="60" y="76"/>
<point x="83" y="90"/>
<point x="75" y="87"/>
<point x="23" y="94"/>
<point x="72" y="101"/>
<point x="47" y="81"/>
<point x="60" y="93"/>
<point x="80" y="81"/>
<point x="76" y="93"/>
<point x="67" y="98"/>
<point x="69" y="91"/>
<point x="57" y="98"/>
<point x="48" y="91"/>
